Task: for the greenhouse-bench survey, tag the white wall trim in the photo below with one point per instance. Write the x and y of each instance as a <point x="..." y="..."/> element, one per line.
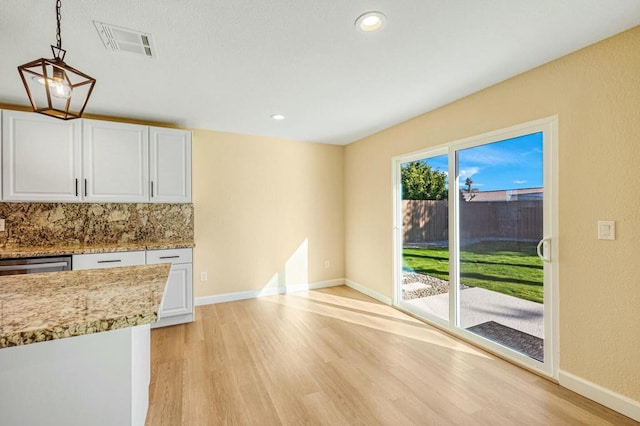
<point x="232" y="297"/>
<point x="599" y="394"/>
<point x="313" y="286"/>
<point x="251" y="294"/>
<point x="371" y="293"/>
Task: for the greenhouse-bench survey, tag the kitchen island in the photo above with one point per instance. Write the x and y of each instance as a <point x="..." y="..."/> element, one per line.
<point x="75" y="345"/>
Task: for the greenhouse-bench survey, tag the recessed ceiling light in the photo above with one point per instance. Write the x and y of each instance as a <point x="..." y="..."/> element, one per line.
<point x="370" y="21"/>
<point x="278" y="116"/>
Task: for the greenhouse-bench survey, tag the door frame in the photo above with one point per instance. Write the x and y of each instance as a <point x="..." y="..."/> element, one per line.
<point x="549" y="128"/>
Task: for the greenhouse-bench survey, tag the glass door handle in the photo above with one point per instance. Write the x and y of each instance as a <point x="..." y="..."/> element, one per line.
<point x="544" y="248"/>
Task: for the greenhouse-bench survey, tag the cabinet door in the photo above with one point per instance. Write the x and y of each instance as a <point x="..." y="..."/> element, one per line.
<point x="178" y="295"/>
<point x="170" y="165"/>
<point x="40" y="158"/>
<point x="115" y="162"/>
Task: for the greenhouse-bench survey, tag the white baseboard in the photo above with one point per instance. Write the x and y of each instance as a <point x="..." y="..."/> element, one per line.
<point x="597" y="393"/>
<point x="242" y="295"/>
<point x="232" y="297"/>
<point x="371" y="293"/>
<point x="314" y="286"/>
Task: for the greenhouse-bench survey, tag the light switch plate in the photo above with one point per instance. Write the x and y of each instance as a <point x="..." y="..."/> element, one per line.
<point x="606" y="230"/>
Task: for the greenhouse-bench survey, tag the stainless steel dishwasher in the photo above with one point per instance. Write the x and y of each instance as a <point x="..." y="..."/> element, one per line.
<point x="35" y="265"/>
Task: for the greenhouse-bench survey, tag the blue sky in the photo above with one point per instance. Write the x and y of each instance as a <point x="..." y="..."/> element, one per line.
<point x="508" y="164"/>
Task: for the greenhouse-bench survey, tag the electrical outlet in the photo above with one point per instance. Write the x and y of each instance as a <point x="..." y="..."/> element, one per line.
<point x="203" y="276"/>
<point x="1" y="225"/>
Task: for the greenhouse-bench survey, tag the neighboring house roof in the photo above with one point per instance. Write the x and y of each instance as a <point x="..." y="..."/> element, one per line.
<point x="505" y="195"/>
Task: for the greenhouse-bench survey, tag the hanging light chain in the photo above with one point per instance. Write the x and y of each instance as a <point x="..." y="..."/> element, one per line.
<point x="51" y="83"/>
<point x="58" y="19"/>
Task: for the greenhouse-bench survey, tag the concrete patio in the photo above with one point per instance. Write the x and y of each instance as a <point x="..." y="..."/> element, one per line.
<point x="478" y="305"/>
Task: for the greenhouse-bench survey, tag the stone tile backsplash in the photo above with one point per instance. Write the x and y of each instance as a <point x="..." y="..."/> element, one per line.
<point x="51" y="224"/>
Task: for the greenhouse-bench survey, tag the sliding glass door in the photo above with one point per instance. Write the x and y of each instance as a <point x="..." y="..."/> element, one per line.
<point x="425" y="239"/>
<point x="479" y="258"/>
<point x="500" y="222"/>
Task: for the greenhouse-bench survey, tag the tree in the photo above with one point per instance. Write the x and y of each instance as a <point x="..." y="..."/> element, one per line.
<point x="421" y="182"/>
<point x="470" y="195"/>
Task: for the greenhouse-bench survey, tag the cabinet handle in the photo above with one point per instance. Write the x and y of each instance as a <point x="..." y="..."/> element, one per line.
<point x="77" y="187"/>
<point x="85" y="187"/>
<point x="110" y="261"/>
<point x="169" y="257"/>
<point x="151" y="189"/>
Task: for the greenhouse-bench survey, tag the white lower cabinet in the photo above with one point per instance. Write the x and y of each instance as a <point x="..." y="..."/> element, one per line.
<point x="177" y="301"/>
<point x="97" y="379"/>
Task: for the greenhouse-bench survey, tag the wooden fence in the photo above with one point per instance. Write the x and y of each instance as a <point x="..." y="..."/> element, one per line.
<point x="428" y="220"/>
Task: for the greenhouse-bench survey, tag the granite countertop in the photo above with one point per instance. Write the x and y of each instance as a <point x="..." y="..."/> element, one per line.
<point x="62" y="249"/>
<point x="39" y="307"/>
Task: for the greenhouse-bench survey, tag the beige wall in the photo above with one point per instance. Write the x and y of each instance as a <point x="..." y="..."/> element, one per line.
<point x="596" y="94"/>
<point x="268" y="212"/>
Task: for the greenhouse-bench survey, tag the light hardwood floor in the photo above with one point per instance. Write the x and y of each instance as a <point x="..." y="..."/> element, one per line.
<point x="337" y="357"/>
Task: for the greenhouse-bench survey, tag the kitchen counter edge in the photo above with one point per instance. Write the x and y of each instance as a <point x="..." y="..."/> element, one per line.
<point x="23" y="252"/>
<point x="25" y="300"/>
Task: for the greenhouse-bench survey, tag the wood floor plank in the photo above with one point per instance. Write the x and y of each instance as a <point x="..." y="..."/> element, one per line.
<point x="337" y="357"/>
<point x="322" y="411"/>
<point x="165" y="407"/>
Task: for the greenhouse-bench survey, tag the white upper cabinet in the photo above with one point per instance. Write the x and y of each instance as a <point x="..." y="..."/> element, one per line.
<point x="170" y="165"/>
<point x="41" y="158"/>
<point x="47" y="159"/>
<point x="115" y="162"/>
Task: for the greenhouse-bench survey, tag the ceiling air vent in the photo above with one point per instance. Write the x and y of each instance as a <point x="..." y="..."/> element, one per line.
<point x="118" y="39"/>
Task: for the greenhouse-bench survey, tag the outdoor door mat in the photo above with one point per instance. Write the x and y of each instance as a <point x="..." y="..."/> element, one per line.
<point x="524" y="343"/>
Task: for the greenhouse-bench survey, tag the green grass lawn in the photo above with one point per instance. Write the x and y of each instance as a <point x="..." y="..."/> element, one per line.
<point x="511" y="268"/>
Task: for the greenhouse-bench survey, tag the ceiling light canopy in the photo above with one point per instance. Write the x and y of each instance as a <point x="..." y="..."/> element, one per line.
<point x="370" y="21"/>
<point x="278" y="116"/>
<point x="54" y="88"/>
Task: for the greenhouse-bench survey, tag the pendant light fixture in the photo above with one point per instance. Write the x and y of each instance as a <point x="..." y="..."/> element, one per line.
<point x="54" y="88"/>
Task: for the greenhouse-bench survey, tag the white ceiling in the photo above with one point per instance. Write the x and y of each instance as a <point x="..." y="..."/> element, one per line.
<point x="228" y="65"/>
